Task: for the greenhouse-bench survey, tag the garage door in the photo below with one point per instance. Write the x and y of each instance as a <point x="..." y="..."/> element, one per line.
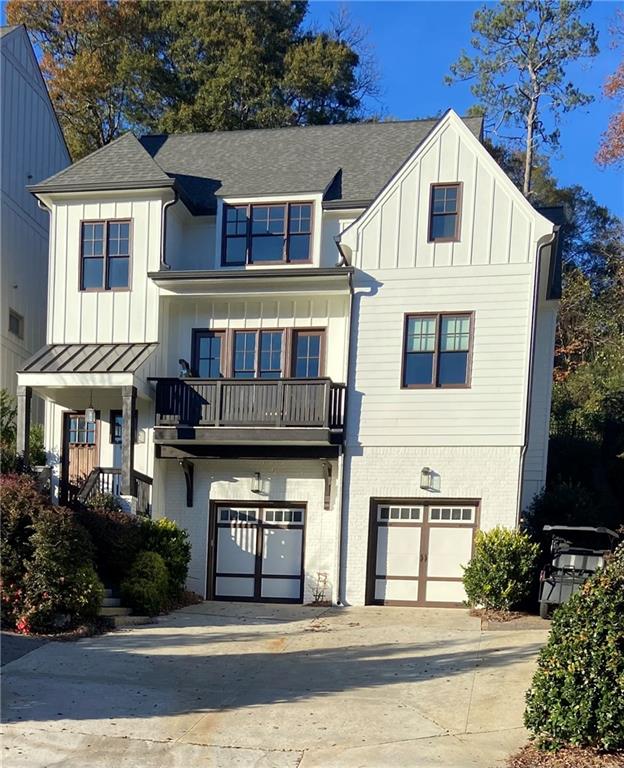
<point x="258" y="553"/>
<point x="417" y="550"/>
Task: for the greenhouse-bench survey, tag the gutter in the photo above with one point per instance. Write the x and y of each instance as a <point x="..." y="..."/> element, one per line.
<point x="527" y="415"/>
<point x="163" y="229"/>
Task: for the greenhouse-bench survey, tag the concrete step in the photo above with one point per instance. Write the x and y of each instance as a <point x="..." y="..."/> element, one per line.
<point x="108" y="593"/>
<point x="111" y="602"/>
<point x="114" y="611"/>
<point x="130" y="621"/>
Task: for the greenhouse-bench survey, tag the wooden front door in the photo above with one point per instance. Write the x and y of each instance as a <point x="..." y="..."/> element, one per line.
<point x="81" y="451"/>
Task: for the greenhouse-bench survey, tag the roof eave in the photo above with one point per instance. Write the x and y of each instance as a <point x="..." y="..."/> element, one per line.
<point x="99" y="186"/>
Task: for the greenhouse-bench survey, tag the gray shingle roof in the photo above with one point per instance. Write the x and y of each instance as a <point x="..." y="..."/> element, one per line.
<point x="122" y="164"/>
<point x="89" y="358"/>
<point x="349" y="163"/>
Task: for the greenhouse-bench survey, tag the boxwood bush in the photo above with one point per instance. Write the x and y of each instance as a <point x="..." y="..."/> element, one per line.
<point x="577" y="694"/>
<point x="172" y="544"/>
<point x="146" y="588"/>
<point x="499" y="575"/>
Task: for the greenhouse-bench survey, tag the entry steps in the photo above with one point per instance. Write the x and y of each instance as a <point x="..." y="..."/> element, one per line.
<point x="116" y="615"/>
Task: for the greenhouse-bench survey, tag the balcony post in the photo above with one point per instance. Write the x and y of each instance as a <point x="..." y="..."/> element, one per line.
<point x="22" y="438"/>
<point x="128" y="439"/>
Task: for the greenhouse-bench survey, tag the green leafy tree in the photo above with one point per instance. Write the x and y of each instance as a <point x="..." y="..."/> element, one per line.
<point x="518" y="70"/>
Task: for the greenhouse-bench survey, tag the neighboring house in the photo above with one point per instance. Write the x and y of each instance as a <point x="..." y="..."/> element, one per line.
<point x="32" y="147"/>
<point x="330" y="347"/>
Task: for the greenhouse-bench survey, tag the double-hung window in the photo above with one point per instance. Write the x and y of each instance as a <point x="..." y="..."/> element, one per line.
<point x="105" y="255"/>
<point x="258" y="354"/>
<point x="307" y="350"/>
<point x="444" y="214"/>
<point x="437" y="349"/>
<point x="263" y="234"/>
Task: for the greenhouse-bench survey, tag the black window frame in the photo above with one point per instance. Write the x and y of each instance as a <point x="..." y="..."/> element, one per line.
<point x="106" y="256"/>
<point x="437" y="350"/>
<point x="457" y="213"/>
<point x="198" y="334"/>
<point x="15" y="317"/>
<point x="287" y="234"/>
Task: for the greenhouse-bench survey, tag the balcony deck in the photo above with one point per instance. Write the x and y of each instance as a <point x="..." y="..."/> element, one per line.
<point x="249" y="411"/>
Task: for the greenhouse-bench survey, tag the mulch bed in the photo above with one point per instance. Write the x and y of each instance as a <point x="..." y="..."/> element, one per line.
<point x="503" y="620"/>
<point x="570" y="757"/>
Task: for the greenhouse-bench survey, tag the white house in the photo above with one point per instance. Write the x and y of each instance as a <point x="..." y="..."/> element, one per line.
<point x="32" y="148"/>
<point x="326" y="352"/>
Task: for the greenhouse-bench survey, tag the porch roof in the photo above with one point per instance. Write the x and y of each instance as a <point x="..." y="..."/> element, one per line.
<point x="89" y="358"/>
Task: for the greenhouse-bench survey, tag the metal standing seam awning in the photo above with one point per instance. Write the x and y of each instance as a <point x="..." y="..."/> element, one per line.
<point x="85" y="364"/>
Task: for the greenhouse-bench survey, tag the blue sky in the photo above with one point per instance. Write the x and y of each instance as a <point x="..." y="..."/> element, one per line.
<point x="414" y="44"/>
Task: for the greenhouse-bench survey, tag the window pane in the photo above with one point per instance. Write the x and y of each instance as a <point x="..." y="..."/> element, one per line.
<point x="270" y="354"/>
<point x="455" y="334"/>
<point x="307" y="355"/>
<point x="452" y="368"/>
<point x="300" y="218"/>
<point x="443" y="226"/>
<point x="268" y="248"/>
<point x="209" y="362"/>
<point x="236" y="220"/>
<point x="244" y="354"/>
<point x="421" y="333"/>
<point x="299" y="247"/>
<point x="92" y="273"/>
<point x="418" y="368"/>
<point x="118" y="272"/>
<point x="267" y="220"/>
<point x="235" y="250"/>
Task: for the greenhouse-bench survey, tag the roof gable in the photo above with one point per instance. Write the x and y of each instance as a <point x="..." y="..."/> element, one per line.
<point x="122" y="164"/>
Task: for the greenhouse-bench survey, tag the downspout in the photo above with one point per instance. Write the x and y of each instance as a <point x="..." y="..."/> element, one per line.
<point x="341" y="579"/>
<point x="163" y="230"/>
<point x="527" y="416"/>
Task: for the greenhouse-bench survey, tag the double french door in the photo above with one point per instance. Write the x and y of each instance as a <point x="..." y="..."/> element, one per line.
<point x="256" y="552"/>
<point x="417" y="550"/>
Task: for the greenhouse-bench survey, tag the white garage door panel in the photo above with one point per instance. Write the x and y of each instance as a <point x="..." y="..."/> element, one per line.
<point x="281" y="554"/>
<point x="231" y="586"/>
<point x="445" y="592"/>
<point x="390" y="589"/>
<point x="281" y="588"/>
<point x="236" y="550"/>
<point x="398" y="550"/>
<point x="449" y="549"/>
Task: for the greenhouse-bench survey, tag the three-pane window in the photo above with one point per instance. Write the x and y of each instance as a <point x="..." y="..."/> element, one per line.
<point x="445" y="212"/>
<point x="105" y="255"/>
<point x="436" y="350"/>
<point x="256" y="234"/>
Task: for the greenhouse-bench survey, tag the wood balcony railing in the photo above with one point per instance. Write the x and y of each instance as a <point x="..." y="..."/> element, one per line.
<point x="250" y="403"/>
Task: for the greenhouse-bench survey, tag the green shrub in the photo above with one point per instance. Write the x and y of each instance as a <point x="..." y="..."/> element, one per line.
<point x="499" y="576"/>
<point x="146" y="588"/>
<point x="577" y="695"/>
<point x="38" y="457"/>
<point x="117" y="538"/>
<point x="20" y="503"/>
<point x="172" y="544"/>
<point x="60" y="586"/>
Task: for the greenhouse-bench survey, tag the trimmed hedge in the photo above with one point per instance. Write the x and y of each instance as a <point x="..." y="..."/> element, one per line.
<point x="499" y="575"/>
<point x="577" y="694"/>
<point x="146" y="589"/>
<point x="172" y="544"/>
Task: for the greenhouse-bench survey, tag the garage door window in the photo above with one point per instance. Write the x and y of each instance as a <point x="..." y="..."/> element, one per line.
<point x="452" y="515"/>
<point x="399" y="514"/>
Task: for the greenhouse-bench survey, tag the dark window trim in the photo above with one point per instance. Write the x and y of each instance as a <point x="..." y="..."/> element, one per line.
<point x="111" y="424"/>
<point x="460" y="195"/>
<point x="20" y="323"/>
<point x="227" y="348"/>
<point x="308" y="332"/>
<point x="436" y="352"/>
<point x="105" y="256"/>
<point x="248" y="237"/>
<point x="257" y="332"/>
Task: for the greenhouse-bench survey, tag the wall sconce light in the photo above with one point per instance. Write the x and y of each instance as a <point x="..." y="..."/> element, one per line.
<point x="426" y="478"/>
<point x="256" y="483"/>
<point x="90" y="411"/>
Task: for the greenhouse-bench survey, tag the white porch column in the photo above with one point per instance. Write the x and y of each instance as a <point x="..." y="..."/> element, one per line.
<point x="128" y="438"/>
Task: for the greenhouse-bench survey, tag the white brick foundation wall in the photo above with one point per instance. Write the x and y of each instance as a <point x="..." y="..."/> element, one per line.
<point x="221" y="480"/>
<point x="489" y="474"/>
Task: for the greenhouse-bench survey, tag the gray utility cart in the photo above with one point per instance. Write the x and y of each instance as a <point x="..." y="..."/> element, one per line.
<point x="577" y="553"/>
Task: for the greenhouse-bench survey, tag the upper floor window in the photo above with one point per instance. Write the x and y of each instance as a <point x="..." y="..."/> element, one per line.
<point x="105" y="255"/>
<point x="16" y="324"/>
<point x="436" y="351"/>
<point x="444" y="216"/>
<point x="307" y="354"/>
<point x="264" y="234"/>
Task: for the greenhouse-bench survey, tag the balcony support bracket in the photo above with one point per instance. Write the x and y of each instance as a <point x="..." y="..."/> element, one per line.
<point x="188" y="468"/>
<point x="327" y="476"/>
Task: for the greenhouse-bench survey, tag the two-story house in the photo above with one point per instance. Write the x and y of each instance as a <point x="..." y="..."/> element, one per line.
<point x="326" y="352"/>
<point x="31" y="148"/>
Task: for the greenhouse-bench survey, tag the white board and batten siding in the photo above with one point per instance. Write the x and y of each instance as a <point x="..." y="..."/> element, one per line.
<point x="471" y="437"/>
<point x="32" y="149"/>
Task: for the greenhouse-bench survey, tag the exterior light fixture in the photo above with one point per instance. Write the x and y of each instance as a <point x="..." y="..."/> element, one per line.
<point x="255" y="483"/>
<point x="426" y="478"/>
<point x="90" y="411"/>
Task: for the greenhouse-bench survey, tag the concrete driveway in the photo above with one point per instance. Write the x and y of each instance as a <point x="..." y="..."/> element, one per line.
<point x="232" y="685"/>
